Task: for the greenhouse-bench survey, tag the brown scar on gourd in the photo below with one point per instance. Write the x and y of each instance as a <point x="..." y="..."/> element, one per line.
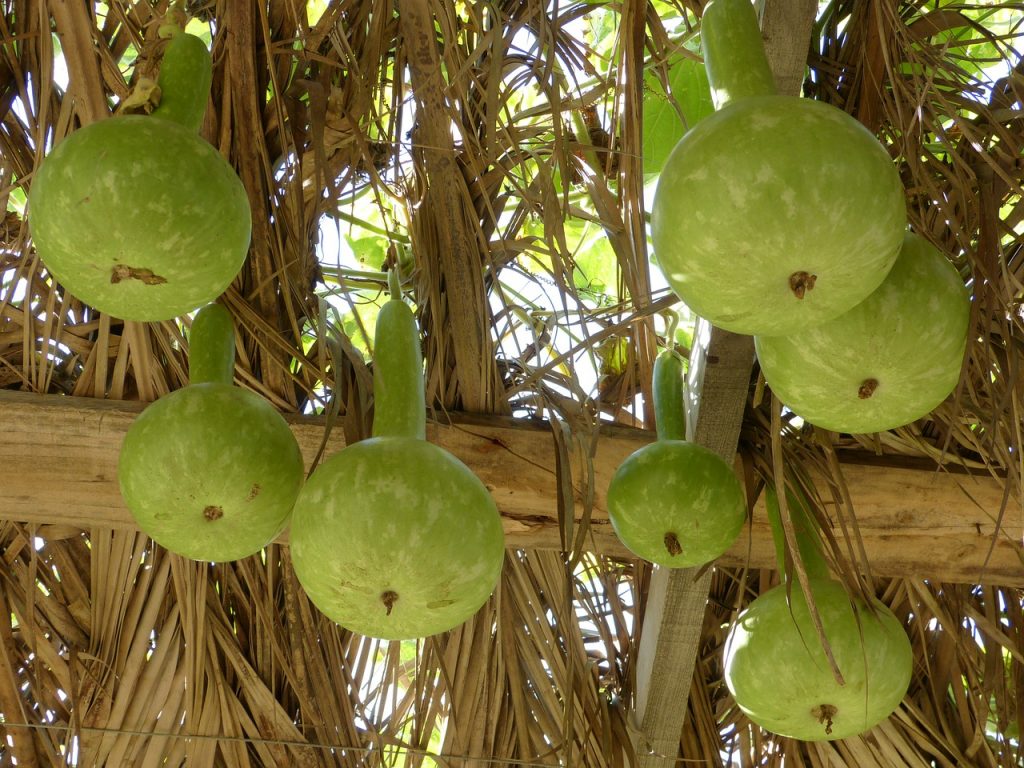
<point x="801" y="282"/>
<point x="389" y="599"/>
<point x="824" y="714"/>
<point x="253" y="492"/>
<point x="212" y="513"/>
<point x="867" y="388"/>
<point x="672" y="544"/>
<point x="145" y="276"/>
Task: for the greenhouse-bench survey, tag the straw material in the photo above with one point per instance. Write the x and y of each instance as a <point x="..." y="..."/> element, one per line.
<point x="503" y="176"/>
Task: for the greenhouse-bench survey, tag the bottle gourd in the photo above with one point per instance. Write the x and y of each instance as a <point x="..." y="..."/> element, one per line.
<point x="777" y="670"/>
<point x="211" y="471"/>
<point x="137" y="215"/>
<point x="673" y="502"/>
<point x="886" y="362"/>
<point x="393" y="537"/>
<point x="776" y="212"/>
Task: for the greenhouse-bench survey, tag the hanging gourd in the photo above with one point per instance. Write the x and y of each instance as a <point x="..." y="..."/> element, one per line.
<point x="673" y="502"/>
<point x="776" y="212"/>
<point x="393" y="537"/>
<point x="138" y="216"/>
<point x="777" y="669"/>
<point x="210" y="471"/>
<point x="886" y="362"/>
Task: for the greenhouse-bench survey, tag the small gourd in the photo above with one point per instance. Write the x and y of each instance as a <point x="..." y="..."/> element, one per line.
<point x="673" y="502"/>
<point x="393" y="537"/>
<point x="210" y="471"/>
<point x="888" y="361"/>
<point x="138" y="216"/>
<point x="776" y="212"/>
<point x="777" y="670"/>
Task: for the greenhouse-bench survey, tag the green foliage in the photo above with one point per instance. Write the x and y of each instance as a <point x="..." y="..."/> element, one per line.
<point x="613" y="354"/>
<point x="671" y="112"/>
<point x="596" y="268"/>
<point x="16" y="200"/>
<point x="370" y="251"/>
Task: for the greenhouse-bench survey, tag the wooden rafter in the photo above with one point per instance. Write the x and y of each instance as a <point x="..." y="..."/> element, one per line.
<point x="58" y="467"/>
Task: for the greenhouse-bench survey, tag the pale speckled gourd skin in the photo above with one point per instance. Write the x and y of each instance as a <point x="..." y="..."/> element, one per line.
<point x="766" y="187"/>
<point x="144" y="193"/>
<point x="679" y="487"/>
<point x="210" y="444"/>
<point x="909" y="335"/>
<point x="396" y="514"/>
<point x="777" y="672"/>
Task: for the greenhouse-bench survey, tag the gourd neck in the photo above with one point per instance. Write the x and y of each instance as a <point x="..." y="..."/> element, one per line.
<point x="186" y="74"/>
<point x="807" y="538"/>
<point x="667" y="390"/>
<point x="399" y="402"/>
<point x="734" y="55"/>
<point x="211" y="351"/>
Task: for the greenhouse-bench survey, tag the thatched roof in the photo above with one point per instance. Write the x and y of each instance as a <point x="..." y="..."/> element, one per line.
<point x="528" y="262"/>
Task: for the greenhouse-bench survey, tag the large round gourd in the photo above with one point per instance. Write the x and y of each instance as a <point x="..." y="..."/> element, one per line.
<point x="777" y="670"/>
<point x="673" y="502"/>
<point x="780" y="677"/>
<point x="776" y="212"/>
<point x="888" y="361"/>
<point x="393" y="537"/>
<point x="210" y="471"/>
<point x="137" y="215"/>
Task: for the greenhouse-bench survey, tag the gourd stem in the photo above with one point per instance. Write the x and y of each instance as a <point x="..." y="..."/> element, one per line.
<point x="173" y="21"/>
<point x="211" y="349"/>
<point x="399" y="401"/>
<point x="667" y="389"/>
<point x="807" y="538"/>
<point x="734" y="55"/>
<point x="395" y="283"/>
<point x="671" y="325"/>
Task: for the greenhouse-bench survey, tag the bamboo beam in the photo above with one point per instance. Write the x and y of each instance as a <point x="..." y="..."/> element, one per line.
<point x="58" y="467"/>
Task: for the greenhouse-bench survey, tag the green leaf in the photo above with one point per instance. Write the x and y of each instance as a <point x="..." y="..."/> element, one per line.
<point x="596" y="269"/>
<point x="371" y="252"/>
<point x="602" y="31"/>
<point x="314" y="10"/>
<point x="613" y="354"/>
<point x="668" y="115"/>
<point x="16" y="200"/>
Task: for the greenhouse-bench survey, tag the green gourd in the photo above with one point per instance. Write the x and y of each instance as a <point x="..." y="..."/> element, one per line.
<point x="393" y="537"/>
<point x="210" y="471"/>
<point x="186" y="73"/>
<point x="673" y="502"/>
<point x="776" y="212"/>
<point x="138" y="216"/>
<point x="777" y="670"/>
<point x="886" y="362"/>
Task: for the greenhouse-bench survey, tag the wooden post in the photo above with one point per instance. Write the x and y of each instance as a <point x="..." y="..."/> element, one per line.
<point x="719" y="378"/>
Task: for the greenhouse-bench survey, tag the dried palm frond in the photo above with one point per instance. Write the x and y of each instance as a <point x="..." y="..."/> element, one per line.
<point x="492" y="154"/>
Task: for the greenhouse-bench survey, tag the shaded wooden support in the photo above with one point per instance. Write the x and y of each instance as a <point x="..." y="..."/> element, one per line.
<point x="718" y="380"/>
<point x="58" y="467"/>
